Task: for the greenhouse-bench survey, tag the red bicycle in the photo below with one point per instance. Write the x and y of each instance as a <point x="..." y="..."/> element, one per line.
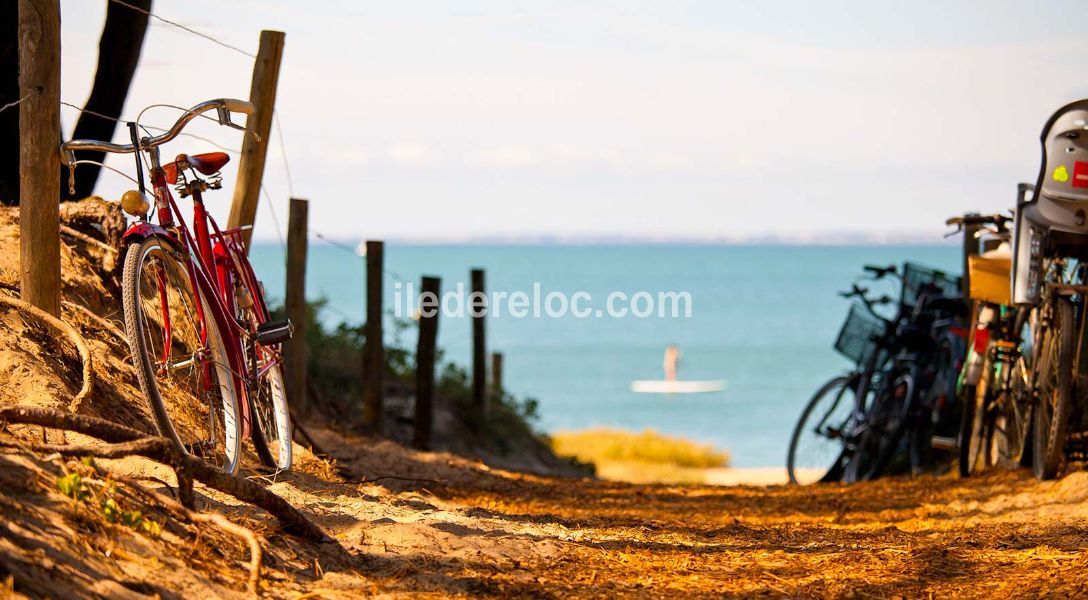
<point x="206" y="354"/>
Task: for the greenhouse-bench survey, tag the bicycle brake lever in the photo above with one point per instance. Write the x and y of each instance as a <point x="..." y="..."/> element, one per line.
<point x="224" y="119"/>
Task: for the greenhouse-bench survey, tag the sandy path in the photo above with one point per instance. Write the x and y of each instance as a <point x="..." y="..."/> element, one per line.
<point x="755" y="476"/>
<point x="472" y="530"/>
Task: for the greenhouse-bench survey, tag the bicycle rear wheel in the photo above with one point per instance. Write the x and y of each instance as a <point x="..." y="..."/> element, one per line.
<point x="818" y="442"/>
<point x="270" y="417"/>
<point x="181" y="359"/>
<point x="1054" y="383"/>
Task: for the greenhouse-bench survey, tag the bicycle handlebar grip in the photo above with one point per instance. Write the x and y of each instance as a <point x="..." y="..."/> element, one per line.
<point x="239" y="106"/>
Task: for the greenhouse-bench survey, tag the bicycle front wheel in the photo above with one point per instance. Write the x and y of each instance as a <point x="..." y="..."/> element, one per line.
<point x="818" y="442"/>
<point x="270" y="417"/>
<point x="180" y="356"/>
<point x="976" y="430"/>
<point x="883" y="430"/>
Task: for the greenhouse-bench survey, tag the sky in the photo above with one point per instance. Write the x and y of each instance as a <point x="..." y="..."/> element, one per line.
<point x="683" y="120"/>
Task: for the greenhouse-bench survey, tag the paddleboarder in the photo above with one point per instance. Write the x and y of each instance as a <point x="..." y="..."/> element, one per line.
<point x="672" y="357"/>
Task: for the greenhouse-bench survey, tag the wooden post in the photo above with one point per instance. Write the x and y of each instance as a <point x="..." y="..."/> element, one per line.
<point x="262" y="93"/>
<point x="496" y="372"/>
<point x="39" y="154"/>
<point x="295" y="351"/>
<point x="374" y="359"/>
<point x="425" y="357"/>
<point x="478" y="309"/>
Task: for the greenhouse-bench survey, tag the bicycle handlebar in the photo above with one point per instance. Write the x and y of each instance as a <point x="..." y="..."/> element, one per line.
<point x="855" y="291"/>
<point x="861" y="293"/>
<point x="224" y="106"/>
<point x="870" y="304"/>
<point x="239" y="106"/>
<point x="997" y="219"/>
<point x="879" y="272"/>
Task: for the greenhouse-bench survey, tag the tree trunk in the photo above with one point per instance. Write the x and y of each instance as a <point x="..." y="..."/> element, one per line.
<point x="9" y="92"/>
<point x="118" y="53"/>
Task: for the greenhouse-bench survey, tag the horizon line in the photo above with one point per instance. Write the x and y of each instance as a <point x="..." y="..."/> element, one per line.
<point x="851" y="238"/>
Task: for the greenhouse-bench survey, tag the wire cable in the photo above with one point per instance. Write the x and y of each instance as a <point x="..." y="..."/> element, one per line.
<point x="20" y="100"/>
<point x="188" y="29"/>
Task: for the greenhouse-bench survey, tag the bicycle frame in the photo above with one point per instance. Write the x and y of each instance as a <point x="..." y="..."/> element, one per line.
<point x="210" y="268"/>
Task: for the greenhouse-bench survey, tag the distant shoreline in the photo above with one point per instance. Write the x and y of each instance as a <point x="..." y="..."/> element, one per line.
<point x="543" y="241"/>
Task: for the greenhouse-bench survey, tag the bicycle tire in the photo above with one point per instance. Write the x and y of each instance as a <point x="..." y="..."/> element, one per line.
<point x="1012" y="421"/>
<point x="975" y="457"/>
<point x="967" y="430"/>
<point x="1052" y="410"/>
<point x="833" y="389"/>
<point x="137" y="328"/>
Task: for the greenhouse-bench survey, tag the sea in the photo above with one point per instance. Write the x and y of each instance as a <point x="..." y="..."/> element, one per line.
<point x="761" y="318"/>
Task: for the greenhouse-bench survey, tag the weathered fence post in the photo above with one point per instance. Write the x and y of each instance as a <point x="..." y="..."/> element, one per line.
<point x="262" y="93"/>
<point x="374" y="358"/>
<point x="295" y="303"/>
<point x="496" y="372"/>
<point x="425" y="357"/>
<point x="478" y="311"/>
<point x="39" y="153"/>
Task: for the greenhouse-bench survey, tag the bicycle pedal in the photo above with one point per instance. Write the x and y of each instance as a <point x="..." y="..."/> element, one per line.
<point x="274" y="332"/>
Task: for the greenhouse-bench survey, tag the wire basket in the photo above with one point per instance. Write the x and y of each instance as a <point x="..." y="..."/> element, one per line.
<point x="916" y="278"/>
<point x="859" y="334"/>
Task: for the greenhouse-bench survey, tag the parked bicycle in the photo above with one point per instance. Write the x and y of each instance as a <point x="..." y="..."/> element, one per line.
<point x="1051" y="276"/>
<point x="914" y="408"/>
<point x="994" y="384"/>
<point x="901" y="389"/>
<point x="827" y="431"/>
<point x="207" y="356"/>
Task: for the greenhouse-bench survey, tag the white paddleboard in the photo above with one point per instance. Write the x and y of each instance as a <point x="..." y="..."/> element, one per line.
<point x="647" y="386"/>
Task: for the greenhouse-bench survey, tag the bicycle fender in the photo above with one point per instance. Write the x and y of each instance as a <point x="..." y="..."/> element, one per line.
<point x="141" y="230"/>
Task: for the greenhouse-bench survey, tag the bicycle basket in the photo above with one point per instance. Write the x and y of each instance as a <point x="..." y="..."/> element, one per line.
<point x="858" y="336"/>
<point x="916" y="277"/>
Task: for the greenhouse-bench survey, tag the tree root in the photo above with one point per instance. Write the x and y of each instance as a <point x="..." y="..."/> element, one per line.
<point x="180" y="511"/>
<point x="102" y="322"/>
<point x="124" y="441"/>
<point x="72" y="335"/>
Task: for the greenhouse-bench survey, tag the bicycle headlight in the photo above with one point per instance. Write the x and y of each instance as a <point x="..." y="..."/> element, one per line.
<point x="135" y="203"/>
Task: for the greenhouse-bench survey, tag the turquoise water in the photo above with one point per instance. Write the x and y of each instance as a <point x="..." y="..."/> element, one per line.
<point x="762" y="317"/>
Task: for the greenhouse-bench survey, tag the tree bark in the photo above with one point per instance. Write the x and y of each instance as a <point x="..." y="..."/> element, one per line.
<point x="118" y="54"/>
<point x="9" y="92"/>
